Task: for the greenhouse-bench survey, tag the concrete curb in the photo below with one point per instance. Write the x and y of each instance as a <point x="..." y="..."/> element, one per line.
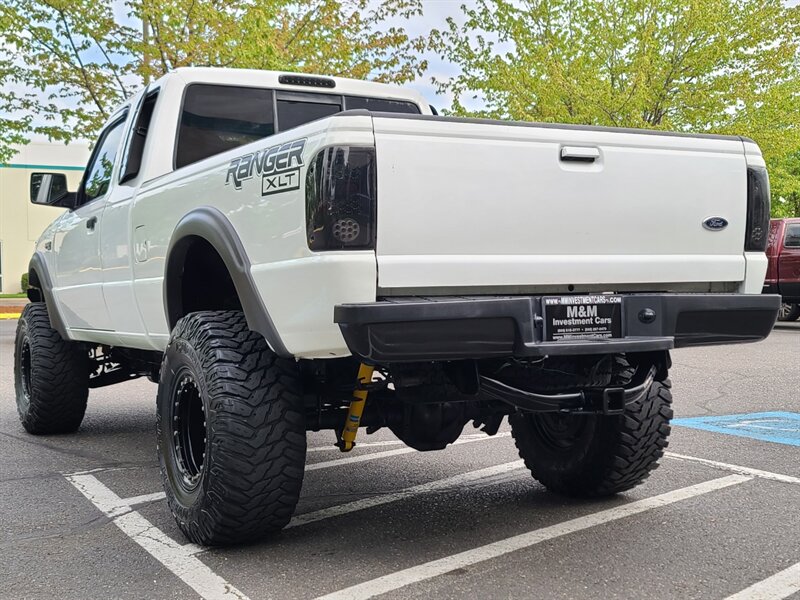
<point x="10" y="310"/>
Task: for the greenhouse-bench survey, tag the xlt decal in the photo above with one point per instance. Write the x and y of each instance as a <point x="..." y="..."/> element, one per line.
<point x="279" y="167"/>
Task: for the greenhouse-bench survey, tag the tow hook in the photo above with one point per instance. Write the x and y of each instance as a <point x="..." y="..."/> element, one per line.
<point x="347" y="440"/>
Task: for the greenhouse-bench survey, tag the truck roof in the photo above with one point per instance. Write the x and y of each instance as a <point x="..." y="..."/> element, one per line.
<point x="278" y="80"/>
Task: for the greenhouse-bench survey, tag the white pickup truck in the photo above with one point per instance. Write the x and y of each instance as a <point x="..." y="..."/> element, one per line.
<point x="285" y="253"/>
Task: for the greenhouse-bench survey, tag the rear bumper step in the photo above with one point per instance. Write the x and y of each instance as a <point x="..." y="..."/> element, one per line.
<point x="454" y="328"/>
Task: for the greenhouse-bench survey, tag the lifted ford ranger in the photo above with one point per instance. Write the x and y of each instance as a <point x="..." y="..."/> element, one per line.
<point x="284" y="253"/>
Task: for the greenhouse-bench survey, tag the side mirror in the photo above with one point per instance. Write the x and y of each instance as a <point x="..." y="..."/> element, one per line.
<point x="50" y="189"/>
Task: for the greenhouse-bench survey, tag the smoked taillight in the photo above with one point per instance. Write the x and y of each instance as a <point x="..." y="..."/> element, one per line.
<point x="340" y="199"/>
<point x="757" y="231"/>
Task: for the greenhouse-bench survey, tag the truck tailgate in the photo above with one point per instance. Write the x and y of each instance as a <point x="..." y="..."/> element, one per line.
<point x="475" y="204"/>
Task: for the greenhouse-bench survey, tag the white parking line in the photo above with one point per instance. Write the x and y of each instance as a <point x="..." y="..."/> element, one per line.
<point x="178" y="559"/>
<point x="482" y="477"/>
<point x="331" y="447"/>
<point x="372" y="501"/>
<point x="360" y="445"/>
<point x="143" y="499"/>
<point x="736" y="468"/>
<point x="400" y="579"/>
<point x="388" y="453"/>
<point x="781" y="585"/>
<point x="126" y="503"/>
<point x="337" y="462"/>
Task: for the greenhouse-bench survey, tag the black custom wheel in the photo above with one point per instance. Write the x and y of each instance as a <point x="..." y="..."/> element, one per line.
<point x="596" y="455"/>
<point x="789" y="312"/>
<point x="188" y="420"/>
<point x="51" y="375"/>
<point x="231" y="431"/>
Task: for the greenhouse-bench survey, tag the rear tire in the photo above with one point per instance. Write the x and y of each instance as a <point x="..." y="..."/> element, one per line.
<point x="231" y="431"/>
<point x="51" y="375"/>
<point x="789" y="312"/>
<point x="596" y="455"/>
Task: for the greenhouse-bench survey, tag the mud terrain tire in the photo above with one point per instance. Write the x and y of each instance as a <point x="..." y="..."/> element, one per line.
<point x="596" y="455"/>
<point x="51" y="375"/>
<point x="231" y="431"/>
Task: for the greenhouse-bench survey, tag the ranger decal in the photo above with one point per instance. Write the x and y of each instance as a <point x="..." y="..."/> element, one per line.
<point x="278" y="166"/>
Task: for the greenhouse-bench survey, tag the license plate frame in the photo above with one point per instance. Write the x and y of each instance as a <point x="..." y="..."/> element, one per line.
<point x="582" y="317"/>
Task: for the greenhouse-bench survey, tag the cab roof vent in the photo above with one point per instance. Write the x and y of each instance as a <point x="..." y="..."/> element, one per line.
<point x="323" y="82"/>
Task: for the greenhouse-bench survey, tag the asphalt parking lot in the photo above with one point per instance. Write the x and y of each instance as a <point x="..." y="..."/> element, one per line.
<point x="82" y="516"/>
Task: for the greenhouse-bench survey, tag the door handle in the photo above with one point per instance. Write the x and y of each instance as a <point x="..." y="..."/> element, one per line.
<point x="579" y="154"/>
<point x="91" y="222"/>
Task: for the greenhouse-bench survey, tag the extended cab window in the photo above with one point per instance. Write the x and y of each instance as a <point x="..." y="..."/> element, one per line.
<point x="216" y="118"/>
<point x="792" y="239"/>
<point x="381" y="105"/>
<point x="98" y="173"/>
<point x="296" y="109"/>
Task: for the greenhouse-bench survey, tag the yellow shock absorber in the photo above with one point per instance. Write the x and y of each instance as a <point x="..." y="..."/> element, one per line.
<point x="356" y="409"/>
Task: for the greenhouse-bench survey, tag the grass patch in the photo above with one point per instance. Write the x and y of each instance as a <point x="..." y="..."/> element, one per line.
<point x="13" y="295"/>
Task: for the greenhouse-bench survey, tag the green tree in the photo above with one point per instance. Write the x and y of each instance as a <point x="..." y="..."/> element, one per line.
<point x="65" y="64"/>
<point x="721" y="66"/>
<point x="785" y="184"/>
<point x="64" y="68"/>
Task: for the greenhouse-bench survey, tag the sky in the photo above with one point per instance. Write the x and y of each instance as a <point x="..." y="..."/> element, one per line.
<point x="435" y="14"/>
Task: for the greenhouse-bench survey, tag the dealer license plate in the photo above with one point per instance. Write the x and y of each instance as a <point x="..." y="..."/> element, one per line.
<point x="582" y="317"/>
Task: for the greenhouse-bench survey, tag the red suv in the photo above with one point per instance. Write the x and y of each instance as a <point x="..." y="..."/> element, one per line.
<point x="783" y="273"/>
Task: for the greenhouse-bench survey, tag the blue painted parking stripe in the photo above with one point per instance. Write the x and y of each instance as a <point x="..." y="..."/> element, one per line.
<point x="777" y="427"/>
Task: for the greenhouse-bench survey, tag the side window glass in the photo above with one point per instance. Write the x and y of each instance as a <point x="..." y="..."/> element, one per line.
<point x="792" y="239"/>
<point x="98" y="173"/>
<point x="132" y="162"/>
<point x="216" y="118"/>
<point x="381" y="105"/>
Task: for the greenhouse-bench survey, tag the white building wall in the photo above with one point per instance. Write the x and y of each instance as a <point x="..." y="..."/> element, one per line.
<point x="21" y="222"/>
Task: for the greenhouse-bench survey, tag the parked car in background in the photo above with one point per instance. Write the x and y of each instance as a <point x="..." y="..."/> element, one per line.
<point x="783" y="272"/>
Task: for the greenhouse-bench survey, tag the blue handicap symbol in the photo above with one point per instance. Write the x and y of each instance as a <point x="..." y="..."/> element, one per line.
<point x="778" y="427"/>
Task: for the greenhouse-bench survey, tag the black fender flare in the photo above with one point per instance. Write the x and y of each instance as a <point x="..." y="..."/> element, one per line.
<point x="211" y="225"/>
<point x="39" y="278"/>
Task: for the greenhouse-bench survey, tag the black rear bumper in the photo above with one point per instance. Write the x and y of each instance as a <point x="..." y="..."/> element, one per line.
<point x="453" y="328"/>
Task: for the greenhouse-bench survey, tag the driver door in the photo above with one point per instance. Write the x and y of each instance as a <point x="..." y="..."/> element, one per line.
<point x="79" y="277"/>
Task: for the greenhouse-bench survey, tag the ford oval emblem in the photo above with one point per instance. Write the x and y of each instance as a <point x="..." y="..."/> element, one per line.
<point x="715" y="223"/>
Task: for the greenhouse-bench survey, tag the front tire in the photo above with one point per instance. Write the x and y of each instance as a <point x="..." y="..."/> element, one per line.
<point x="596" y="455"/>
<point x="231" y="431"/>
<point x="51" y="375"/>
<point x="789" y="312"/>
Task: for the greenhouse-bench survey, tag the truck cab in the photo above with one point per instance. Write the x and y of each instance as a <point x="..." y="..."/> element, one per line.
<point x="106" y="256"/>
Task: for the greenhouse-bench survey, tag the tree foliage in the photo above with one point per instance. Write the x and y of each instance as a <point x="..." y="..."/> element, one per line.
<point x="721" y="66"/>
<point x="63" y="68"/>
<point x="65" y="64"/>
<point x="785" y="182"/>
